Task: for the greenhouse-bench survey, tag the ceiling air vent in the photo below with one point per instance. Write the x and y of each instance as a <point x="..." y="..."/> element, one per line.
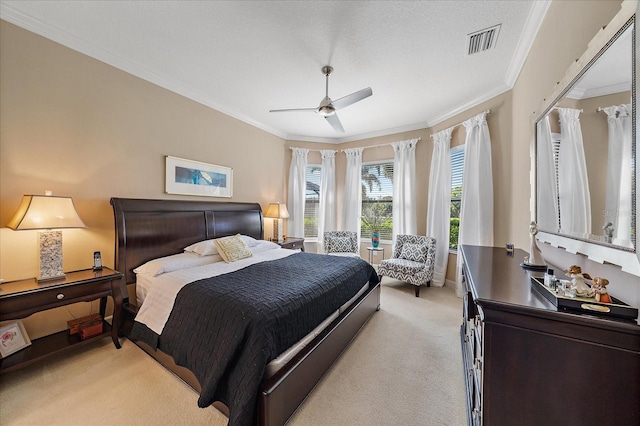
<point x="482" y="40"/>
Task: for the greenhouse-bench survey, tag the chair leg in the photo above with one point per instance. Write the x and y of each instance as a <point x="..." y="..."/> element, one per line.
<point x="429" y="283"/>
<point x="417" y="290"/>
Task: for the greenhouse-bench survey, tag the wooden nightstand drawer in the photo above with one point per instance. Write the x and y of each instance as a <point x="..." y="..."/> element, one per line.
<point x="54" y="296"/>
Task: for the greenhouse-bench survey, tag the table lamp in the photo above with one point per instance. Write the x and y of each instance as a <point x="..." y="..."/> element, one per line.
<point x="48" y="213"/>
<point x="278" y="212"/>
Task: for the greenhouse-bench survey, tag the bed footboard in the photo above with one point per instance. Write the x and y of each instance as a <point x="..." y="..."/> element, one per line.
<point x="282" y="394"/>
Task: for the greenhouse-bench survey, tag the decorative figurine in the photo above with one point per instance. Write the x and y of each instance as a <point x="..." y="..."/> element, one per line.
<point x="608" y="232"/>
<point x="577" y="279"/>
<point x="600" y="287"/>
<point x="535" y="259"/>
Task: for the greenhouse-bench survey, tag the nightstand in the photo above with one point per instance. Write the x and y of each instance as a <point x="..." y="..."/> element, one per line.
<point x="19" y="299"/>
<point x="292" y="243"/>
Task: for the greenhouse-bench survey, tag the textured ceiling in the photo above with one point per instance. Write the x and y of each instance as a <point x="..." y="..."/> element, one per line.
<point x="244" y="58"/>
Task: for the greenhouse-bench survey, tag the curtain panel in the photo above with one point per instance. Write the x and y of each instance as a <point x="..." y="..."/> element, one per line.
<point x="297" y="191"/>
<point x="327" y="213"/>
<point x="573" y="183"/>
<point x="476" y="210"/>
<point x="352" y="205"/>
<point x="404" y="188"/>
<point x="618" y="190"/>
<point x="439" y="207"/>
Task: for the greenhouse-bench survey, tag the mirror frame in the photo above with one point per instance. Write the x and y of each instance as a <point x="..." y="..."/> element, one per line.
<point x="627" y="259"/>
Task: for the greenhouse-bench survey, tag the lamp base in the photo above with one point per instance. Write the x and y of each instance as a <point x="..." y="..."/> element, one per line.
<point x="277" y="230"/>
<point x="50" y="251"/>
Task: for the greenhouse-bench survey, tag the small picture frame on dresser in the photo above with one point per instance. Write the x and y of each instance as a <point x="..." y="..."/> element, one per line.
<point x="13" y="337"/>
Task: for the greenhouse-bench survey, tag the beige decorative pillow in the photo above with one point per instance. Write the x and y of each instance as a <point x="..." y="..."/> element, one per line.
<point x="232" y="248"/>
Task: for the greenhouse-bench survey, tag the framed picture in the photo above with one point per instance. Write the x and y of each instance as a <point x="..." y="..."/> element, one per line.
<point x="13" y="337"/>
<point x="189" y="177"/>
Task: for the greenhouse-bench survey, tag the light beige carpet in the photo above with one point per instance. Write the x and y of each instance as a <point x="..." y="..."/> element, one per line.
<point x="404" y="368"/>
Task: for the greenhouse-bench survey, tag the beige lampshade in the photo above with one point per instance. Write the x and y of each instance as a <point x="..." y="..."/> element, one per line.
<point x="45" y="212"/>
<point x="277" y="210"/>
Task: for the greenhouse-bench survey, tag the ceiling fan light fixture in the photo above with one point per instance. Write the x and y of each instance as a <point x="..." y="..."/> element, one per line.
<point x="326" y="110"/>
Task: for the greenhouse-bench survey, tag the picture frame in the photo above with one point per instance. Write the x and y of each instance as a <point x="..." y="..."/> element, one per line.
<point x="13" y="337"/>
<point x="188" y="177"/>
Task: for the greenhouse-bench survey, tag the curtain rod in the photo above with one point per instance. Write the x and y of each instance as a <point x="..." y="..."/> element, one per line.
<point x="581" y="110"/>
<point x="618" y="113"/>
<point x="314" y="149"/>
<point x="487" y="111"/>
<point x="383" y="144"/>
<point x="363" y="147"/>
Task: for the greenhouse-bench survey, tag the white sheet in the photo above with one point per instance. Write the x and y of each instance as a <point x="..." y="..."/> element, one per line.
<point x="159" y="293"/>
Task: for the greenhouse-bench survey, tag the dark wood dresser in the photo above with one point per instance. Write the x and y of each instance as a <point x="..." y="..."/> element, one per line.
<point x="526" y="363"/>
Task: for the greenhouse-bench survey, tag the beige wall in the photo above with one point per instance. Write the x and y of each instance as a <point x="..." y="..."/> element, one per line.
<point x="78" y="127"/>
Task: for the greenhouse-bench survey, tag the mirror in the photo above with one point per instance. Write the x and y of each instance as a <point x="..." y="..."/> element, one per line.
<point x="584" y="151"/>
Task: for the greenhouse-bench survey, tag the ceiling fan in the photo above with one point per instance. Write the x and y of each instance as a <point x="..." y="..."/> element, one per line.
<point x="328" y="108"/>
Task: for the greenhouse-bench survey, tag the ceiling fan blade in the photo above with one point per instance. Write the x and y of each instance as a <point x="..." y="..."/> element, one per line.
<point x="352" y="98"/>
<point x="294" y="109"/>
<point x="335" y="123"/>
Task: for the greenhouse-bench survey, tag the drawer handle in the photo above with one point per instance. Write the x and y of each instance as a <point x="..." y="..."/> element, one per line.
<point x="599" y="308"/>
<point x="60" y="296"/>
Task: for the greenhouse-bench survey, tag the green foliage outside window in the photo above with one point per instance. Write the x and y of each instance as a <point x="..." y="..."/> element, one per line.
<point x="377" y="200"/>
<point x="454" y="230"/>
<point x="377" y="216"/>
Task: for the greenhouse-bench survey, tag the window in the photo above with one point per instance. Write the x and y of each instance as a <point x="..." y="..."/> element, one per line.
<point x="377" y="199"/>
<point x="457" y="171"/>
<point x="312" y="201"/>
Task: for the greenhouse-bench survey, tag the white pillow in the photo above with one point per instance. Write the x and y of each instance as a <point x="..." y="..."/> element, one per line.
<point x="208" y="247"/>
<point x="174" y="262"/>
<point x="232" y="248"/>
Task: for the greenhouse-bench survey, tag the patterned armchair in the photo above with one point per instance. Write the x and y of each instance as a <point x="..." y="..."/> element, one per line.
<point x="341" y="243"/>
<point x="412" y="261"/>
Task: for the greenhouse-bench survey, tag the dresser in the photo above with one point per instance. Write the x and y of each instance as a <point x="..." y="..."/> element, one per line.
<point x="526" y="363"/>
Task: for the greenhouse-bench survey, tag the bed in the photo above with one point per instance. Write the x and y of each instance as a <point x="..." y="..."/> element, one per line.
<point x="150" y="229"/>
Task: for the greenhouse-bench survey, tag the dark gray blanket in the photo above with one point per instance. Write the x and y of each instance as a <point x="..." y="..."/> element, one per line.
<point x="227" y="328"/>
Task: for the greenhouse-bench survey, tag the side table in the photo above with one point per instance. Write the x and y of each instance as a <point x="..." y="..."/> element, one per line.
<point x="19" y="299"/>
<point x="292" y="243"/>
<point x="373" y="250"/>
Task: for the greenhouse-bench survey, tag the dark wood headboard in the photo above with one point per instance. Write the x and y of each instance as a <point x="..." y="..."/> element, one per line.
<point x="148" y="229"/>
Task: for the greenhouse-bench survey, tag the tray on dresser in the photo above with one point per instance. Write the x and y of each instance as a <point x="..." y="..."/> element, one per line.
<point x="616" y="309"/>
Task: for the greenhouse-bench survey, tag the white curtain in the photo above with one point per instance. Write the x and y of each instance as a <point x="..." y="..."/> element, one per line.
<point x="352" y="205"/>
<point x="547" y="186"/>
<point x="297" y="191"/>
<point x="618" y="195"/>
<point x="573" y="184"/>
<point x="404" y="188"/>
<point x="327" y="214"/>
<point x="476" y="210"/>
<point x="439" y="208"/>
